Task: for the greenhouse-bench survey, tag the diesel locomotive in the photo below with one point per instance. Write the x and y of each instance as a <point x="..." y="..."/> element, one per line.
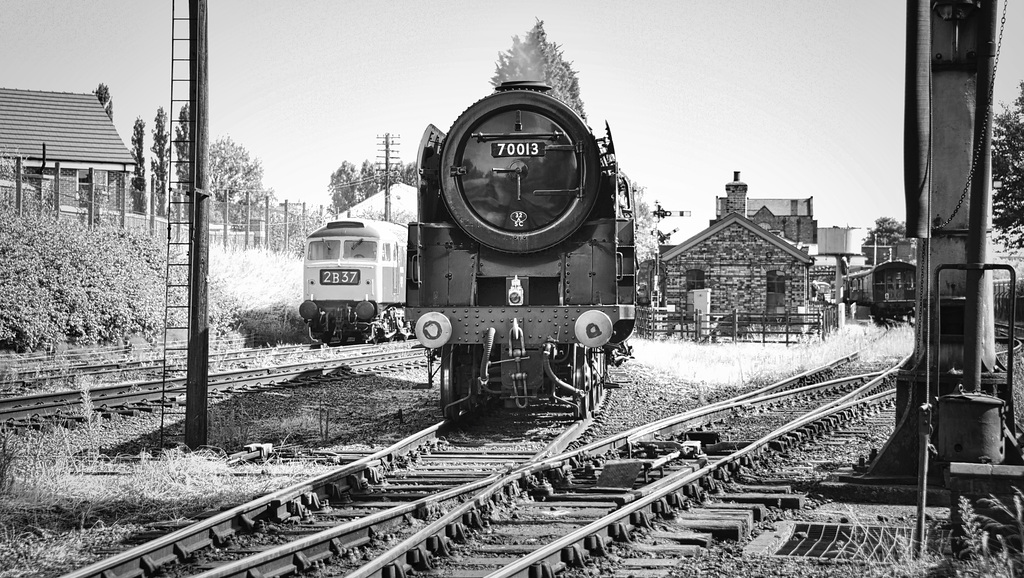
<point x="354" y="282"/>
<point x="521" y="267"/>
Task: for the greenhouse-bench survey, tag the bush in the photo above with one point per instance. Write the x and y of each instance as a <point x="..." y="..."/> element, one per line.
<point x="62" y="282"/>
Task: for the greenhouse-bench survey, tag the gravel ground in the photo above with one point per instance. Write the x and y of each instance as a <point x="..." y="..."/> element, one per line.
<point x="46" y="536"/>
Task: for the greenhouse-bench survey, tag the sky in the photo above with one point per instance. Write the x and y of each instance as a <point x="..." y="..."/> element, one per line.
<point x="804" y="97"/>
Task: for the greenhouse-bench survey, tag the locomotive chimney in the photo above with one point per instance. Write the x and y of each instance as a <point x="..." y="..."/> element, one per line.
<point x="736" y="196"/>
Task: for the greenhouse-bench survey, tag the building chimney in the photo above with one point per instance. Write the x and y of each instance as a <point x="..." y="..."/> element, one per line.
<point x="736" y="195"/>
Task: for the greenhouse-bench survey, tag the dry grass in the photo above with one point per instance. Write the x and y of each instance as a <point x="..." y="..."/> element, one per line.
<point x="256" y="294"/>
<point x="743" y="364"/>
<point x="65" y="504"/>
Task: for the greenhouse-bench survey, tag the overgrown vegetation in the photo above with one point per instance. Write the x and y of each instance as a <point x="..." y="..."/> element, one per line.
<point x="256" y="294"/>
<point x="65" y="283"/>
<point x="981" y="532"/>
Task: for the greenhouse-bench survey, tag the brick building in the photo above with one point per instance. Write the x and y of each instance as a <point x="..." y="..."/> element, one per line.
<point x="790" y="218"/>
<point x="743" y="261"/>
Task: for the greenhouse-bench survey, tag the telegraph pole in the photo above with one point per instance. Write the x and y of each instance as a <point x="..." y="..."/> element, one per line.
<point x="198" y="361"/>
<point x="387" y="142"/>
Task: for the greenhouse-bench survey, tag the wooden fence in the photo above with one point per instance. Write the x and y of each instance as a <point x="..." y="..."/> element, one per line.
<point x="660" y="323"/>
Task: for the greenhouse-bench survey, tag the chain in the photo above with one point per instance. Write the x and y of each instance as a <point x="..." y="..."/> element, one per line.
<point x="988" y="117"/>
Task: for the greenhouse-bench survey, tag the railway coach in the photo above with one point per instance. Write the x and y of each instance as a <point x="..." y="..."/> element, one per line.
<point x="521" y="271"/>
<point x="888" y="289"/>
<point x="353" y="282"/>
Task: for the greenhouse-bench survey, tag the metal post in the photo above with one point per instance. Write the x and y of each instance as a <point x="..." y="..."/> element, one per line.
<point x="227" y="218"/>
<point x="198" y="343"/>
<point x="924" y="421"/>
<point x="840" y="293"/>
<point x="17" y="186"/>
<point x="285" y="246"/>
<point x="92" y="198"/>
<point x="152" y="204"/>
<point x="248" y="221"/>
<point x="266" y="222"/>
<point x="979" y="333"/>
<point x="387" y="177"/>
<point x="56" y="192"/>
<point x="124" y="190"/>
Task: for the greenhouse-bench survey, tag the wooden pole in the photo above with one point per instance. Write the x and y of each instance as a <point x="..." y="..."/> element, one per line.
<point x="197" y="380"/>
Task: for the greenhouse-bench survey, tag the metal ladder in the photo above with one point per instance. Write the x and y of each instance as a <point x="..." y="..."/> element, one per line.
<point x="177" y="297"/>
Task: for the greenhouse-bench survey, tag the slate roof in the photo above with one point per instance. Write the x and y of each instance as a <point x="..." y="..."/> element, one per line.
<point x="727" y="221"/>
<point x="74" y="127"/>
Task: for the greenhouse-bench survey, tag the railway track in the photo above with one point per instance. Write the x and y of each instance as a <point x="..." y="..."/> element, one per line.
<point x="145" y="363"/>
<point x="131" y="398"/>
<point x="585" y="495"/>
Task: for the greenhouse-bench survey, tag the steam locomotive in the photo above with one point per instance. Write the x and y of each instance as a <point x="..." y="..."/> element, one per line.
<point x="521" y="271"/>
<point x="354" y="282"/>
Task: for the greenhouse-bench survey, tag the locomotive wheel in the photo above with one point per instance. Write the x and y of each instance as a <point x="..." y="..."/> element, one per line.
<point x="582" y="380"/>
<point x="455" y="376"/>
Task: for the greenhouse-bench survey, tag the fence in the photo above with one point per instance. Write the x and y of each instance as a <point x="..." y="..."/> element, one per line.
<point x="94" y="197"/>
<point x="1003" y="294"/>
<point x="660" y="323"/>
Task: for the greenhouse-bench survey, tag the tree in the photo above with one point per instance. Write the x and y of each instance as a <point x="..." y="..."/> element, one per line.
<point x="103" y="95"/>
<point x="344" y="181"/>
<point x="887" y="231"/>
<point x="1008" y="169"/>
<point x="369" y="181"/>
<point x="233" y="172"/>
<point x="181" y="149"/>
<point x="408" y="174"/>
<point x="646" y="246"/>
<point x="161" y="157"/>
<point x="139" y="155"/>
<point x="537" y="59"/>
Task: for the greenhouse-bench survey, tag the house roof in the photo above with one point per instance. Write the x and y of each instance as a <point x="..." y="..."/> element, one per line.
<point x="737" y="219"/>
<point x="74" y="127"/>
<point x="778" y="207"/>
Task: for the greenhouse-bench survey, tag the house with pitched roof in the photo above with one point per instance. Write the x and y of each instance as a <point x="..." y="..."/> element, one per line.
<point x="51" y="132"/>
<point x="748" y="264"/>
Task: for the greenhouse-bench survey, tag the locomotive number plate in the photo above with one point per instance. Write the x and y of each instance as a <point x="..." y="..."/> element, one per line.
<point x="339" y="276"/>
<point x="517" y="149"/>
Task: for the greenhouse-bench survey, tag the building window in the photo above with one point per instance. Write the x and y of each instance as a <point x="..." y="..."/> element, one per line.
<point x="775" y="299"/>
<point x="695" y="279"/>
